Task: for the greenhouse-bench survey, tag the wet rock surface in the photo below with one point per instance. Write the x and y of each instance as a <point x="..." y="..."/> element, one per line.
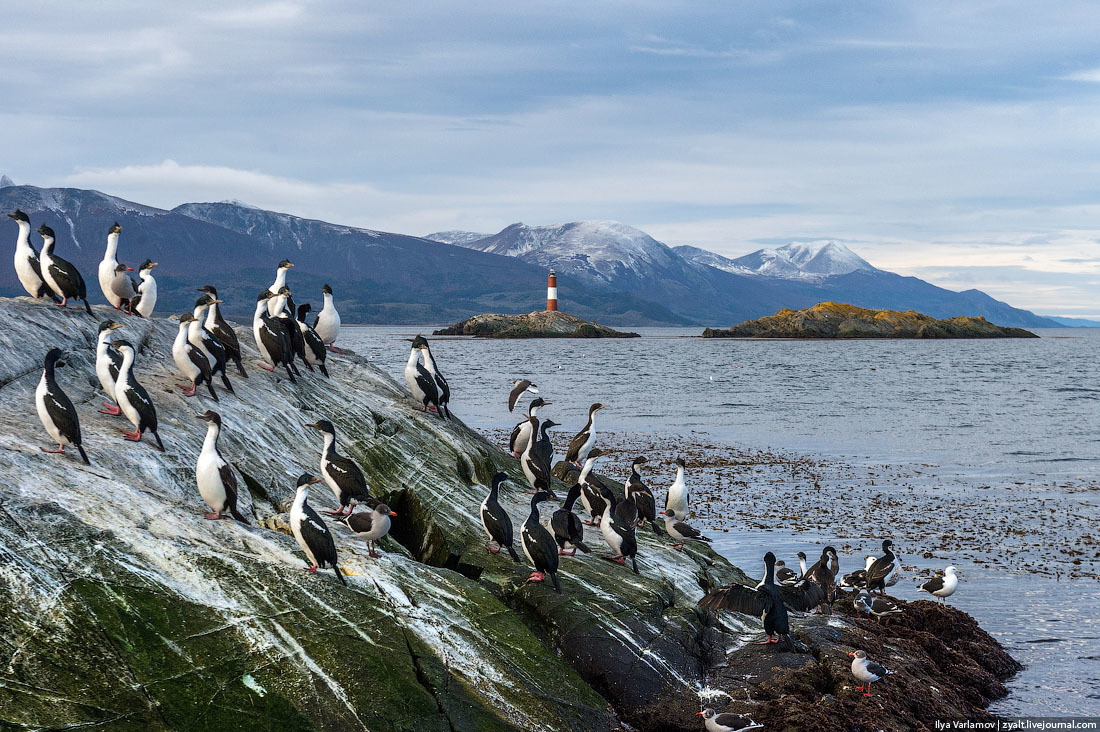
<point x="539" y="324"/>
<point x="122" y="608"/>
<point x="839" y="320"/>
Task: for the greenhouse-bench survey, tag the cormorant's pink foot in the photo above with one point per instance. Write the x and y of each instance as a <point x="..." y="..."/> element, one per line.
<point x="535" y="577"/>
<point x="313" y="569"/>
<point x="59" y="451"/>
<point x="490" y="548"/>
<point x="110" y="409"/>
<point x="212" y="516"/>
<point x="265" y="367"/>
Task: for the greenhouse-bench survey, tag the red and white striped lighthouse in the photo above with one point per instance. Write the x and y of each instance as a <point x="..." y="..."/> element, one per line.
<point x="552" y="292"/>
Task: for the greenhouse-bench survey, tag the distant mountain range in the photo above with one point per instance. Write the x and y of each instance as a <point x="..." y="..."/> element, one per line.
<point x="608" y="271"/>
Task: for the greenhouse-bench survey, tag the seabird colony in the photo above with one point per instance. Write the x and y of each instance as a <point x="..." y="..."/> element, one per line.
<point x="206" y="344"/>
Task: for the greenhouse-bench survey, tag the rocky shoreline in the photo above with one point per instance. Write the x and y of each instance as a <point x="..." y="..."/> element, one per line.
<point x="539" y="324"/>
<point x="124" y="609"/>
<point x="839" y="320"/>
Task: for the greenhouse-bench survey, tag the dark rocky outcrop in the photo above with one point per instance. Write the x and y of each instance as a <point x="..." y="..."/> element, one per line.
<point x="838" y="320"/>
<point x="539" y="324"/>
<point x="122" y="608"/>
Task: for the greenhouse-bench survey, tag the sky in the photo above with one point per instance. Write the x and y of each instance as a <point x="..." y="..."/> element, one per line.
<point x="954" y="141"/>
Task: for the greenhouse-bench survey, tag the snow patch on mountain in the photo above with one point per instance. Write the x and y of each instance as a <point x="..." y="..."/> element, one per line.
<point x="458" y="238"/>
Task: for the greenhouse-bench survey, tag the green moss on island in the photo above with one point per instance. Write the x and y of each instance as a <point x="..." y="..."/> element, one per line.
<point x="840" y="320"/>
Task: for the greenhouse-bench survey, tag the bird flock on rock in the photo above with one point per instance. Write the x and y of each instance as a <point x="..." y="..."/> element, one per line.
<point x="206" y="346"/>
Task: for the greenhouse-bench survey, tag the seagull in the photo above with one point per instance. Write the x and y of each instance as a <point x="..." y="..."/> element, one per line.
<point x="942" y="587"/>
<point x="726" y="722"/>
<point x="867" y="671"/>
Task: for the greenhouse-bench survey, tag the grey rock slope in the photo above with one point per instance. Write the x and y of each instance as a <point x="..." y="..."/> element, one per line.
<point x="122" y="608"/>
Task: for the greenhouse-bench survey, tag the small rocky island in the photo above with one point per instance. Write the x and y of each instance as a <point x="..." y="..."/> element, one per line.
<point x="839" y="320"/>
<point x="539" y="324"/>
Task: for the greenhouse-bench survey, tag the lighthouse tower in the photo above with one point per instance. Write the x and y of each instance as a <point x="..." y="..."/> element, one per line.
<point x="552" y="292"/>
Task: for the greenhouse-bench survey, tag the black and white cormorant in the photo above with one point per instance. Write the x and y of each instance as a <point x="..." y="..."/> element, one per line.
<point x="539" y="546"/>
<point x="191" y="362"/>
<point x="56" y="410"/>
<point x="204" y="340"/>
<point x="639" y="492"/>
<point x="316" y="353"/>
<point x="519" y="388"/>
<point x="60" y="274"/>
<point x="681" y="532"/>
<point x="941" y="587"/>
<point x="677" y="499"/>
<point x="767" y="601"/>
<point x="521" y="433"/>
<point x="342" y="475"/>
<point x="370" y="526"/>
<point x="217" y="325"/>
<point x="567" y="527"/>
<point x="124" y="287"/>
<point x="327" y="322"/>
<point x="28" y="267"/>
<point x="821" y="572"/>
<point x="592" y="489"/>
<point x="880" y="607"/>
<point x="867" y="671"/>
<point x="133" y="399"/>
<point x="784" y="575"/>
<point x="215" y="478"/>
<point x="107" y="362"/>
<point x="726" y="722"/>
<point x="272" y="340"/>
<point x="440" y="381"/>
<point x="108" y="267"/>
<point x="297" y="340"/>
<point x="583" y="441"/>
<point x="620" y="535"/>
<point x="420" y="380"/>
<point x="495" y="520"/>
<point x="145" y="301"/>
<point x="879" y="572"/>
<point x="313" y="536"/>
<point x="538" y="459"/>
<point x="274" y="306"/>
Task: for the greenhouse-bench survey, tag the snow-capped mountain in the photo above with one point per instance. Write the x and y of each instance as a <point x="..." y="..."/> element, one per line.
<point x="812" y="260"/>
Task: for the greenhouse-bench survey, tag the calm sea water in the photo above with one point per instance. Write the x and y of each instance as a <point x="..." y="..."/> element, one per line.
<point x="976" y="411"/>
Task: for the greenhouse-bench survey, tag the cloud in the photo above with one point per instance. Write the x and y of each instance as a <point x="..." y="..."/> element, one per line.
<point x="1089" y="75"/>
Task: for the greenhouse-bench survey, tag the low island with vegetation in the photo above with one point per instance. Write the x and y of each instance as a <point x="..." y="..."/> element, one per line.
<point x="839" y="320"/>
<point x="539" y="324"/>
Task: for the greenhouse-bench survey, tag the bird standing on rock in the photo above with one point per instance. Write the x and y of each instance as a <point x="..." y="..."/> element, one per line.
<point x="342" y="475"/>
<point x="942" y="587"/>
<point x="28" y="266"/>
<point x="133" y="399"/>
<point x="495" y="520"/>
<point x="583" y="441"/>
<point x="539" y="546"/>
<point x="370" y="527"/>
<point x="521" y="433"/>
<point x="681" y="532"/>
<point x="882" y="568"/>
<point x="677" y="498"/>
<point x="310" y="531"/>
<point x="592" y="489"/>
<point x="107" y="362"/>
<point x="879" y="607"/>
<point x="56" y="410"/>
<point x="619" y="535"/>
<point x="191" y="362"/>
<point x="220" y="328"/>
<point x="290" y="325"/>
<point x="767" y="601"/>
<point x="146" y="298"/>
<point x="60" y="274"/>
<point x="327" y="323"/>
<point x="315" y="351"/>
<point x="108" y="267"/>
<point x="567" y="526"/>
<point x="204" y="340"/>
<point x="538" y="459"/>
<point x="433" y="369"/>
<point x="274" y="307"/>
<point x="272" y="341"/>
<point x="215" y="478"/>
<point x="420" y="381"/>
<point x="639" y="492"/>
<point x="124" y="287"/>
<point x="867" y="671"/>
